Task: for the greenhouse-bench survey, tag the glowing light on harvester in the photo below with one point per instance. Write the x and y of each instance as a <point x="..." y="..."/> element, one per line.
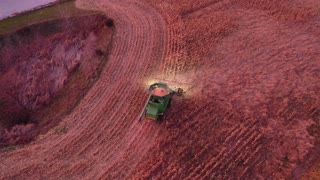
<point x="173" y="82"/>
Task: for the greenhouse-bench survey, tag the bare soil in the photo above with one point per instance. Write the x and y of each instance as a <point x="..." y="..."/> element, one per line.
<point x="251" y="69"/>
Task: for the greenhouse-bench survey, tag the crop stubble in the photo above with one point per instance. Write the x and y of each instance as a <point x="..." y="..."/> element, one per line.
<point x="254" y="73"/>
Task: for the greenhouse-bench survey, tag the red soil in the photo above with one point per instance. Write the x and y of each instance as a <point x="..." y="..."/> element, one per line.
<point x="251" y="111"/>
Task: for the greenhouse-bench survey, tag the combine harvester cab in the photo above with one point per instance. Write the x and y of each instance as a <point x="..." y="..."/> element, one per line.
<point x="158" y="101"/>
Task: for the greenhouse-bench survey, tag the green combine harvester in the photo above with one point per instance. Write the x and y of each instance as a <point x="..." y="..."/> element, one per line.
<point x="158" y="101"/>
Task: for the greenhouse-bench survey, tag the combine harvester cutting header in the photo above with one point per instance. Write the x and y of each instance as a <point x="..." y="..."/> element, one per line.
<point x="158" y="101"/>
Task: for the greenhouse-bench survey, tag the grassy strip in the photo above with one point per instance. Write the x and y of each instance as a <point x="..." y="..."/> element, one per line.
<point x="64" y="9"/>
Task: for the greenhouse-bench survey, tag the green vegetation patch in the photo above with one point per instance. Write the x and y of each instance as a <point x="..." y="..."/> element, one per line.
<point x="61" y="10"/>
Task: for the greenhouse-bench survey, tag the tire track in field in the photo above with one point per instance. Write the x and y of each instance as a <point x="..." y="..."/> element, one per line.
<point x="198" y="113"/>
<point x="178" y="59"/>
<point x="241" y="144"/>
<point x="176" y="55"/>
<point x="153" y="168"/>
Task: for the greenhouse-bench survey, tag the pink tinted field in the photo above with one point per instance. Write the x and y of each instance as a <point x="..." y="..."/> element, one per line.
<point x="251" y="69"/>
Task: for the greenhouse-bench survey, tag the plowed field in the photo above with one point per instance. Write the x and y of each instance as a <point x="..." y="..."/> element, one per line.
<point x="251" y="69"/>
